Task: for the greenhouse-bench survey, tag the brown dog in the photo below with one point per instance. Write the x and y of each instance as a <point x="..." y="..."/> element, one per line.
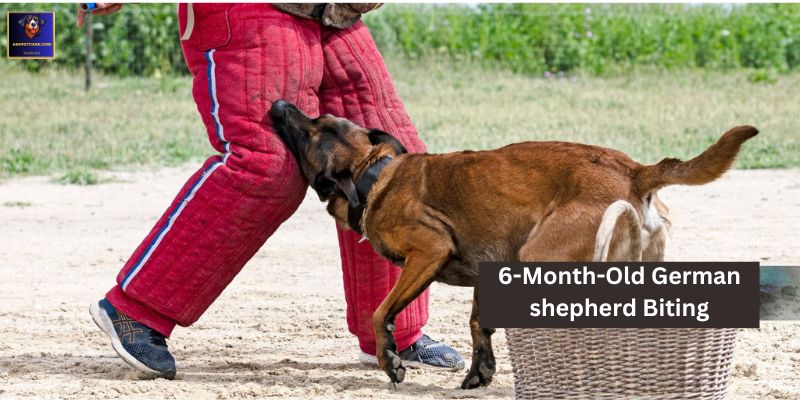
<point x="439" y="215"/>
<point x="32" y="24"/>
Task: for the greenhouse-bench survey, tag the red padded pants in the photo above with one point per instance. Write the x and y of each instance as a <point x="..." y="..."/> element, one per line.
<point x="243" y="57"/>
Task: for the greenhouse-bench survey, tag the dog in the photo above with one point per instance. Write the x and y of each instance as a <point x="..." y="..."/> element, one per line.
<point x="439" y="215"/>
<point x="33" y="25"/>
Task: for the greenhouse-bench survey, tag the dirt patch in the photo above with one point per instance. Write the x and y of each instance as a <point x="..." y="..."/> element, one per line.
<point x="279" y="330"/>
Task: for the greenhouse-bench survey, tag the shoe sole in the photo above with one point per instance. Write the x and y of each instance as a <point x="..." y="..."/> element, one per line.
<point x="368" y="359"/>
<point x="105" y="324"/>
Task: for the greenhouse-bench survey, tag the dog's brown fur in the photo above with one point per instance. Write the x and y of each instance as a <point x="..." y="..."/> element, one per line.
<point x="439" y="215"/>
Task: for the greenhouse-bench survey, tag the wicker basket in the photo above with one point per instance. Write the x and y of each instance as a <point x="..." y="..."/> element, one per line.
<point x="621" y="363"/>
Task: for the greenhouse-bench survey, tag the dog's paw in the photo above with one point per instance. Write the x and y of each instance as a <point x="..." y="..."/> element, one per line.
<point x="480" y="374"/>
<point x="475" y="380"/>
<point x="394" y="367"/>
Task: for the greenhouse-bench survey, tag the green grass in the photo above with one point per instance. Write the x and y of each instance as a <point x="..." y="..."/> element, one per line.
<point x="49" y="125"/>
<point x="647" y="114"/>
<point x="18" y="204"/>
<point x="81" y="177"/>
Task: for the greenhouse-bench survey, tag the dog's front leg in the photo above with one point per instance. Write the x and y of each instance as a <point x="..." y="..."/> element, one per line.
<point x="418" y="273"/>
<point x="483" y="365"/>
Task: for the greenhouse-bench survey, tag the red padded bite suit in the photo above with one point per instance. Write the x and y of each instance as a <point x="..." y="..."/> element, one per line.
<point x="243" y="57"/>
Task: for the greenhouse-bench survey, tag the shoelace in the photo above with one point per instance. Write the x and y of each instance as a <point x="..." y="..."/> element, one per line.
<point x="155" y="337"/>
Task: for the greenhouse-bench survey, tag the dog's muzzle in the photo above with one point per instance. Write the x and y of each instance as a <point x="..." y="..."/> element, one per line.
<point x="285" y="121"/>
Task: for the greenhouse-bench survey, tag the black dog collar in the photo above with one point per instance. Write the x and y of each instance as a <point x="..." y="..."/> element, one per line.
<point x="363" y="187"/>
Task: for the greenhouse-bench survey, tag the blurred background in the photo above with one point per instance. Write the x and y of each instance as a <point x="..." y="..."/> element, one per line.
<point x="650" y="80"/>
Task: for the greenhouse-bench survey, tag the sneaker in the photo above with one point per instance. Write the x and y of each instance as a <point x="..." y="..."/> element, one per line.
<point x="425" y="353"/>
<point x="137" y="344"/>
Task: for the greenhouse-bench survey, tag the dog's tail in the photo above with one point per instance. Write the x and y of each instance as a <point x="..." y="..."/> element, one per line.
<point x="706" y="167"/>
<point x="602" y="244"/>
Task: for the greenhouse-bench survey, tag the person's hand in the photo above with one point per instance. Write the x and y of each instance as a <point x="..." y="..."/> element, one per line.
<point x="102" y="9"/>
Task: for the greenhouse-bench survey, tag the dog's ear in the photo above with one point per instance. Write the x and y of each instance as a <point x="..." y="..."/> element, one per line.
<point x="40" y="21"/>
<point x="22" y="22"/>
<point x="349" y="189"/>
<point x="324" y="182"/>
<point x="377" y="137"/>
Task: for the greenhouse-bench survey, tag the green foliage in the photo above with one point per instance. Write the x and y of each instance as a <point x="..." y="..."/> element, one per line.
<point x="762" y="75"/>
<point x="529" y="38"/>
<point x="17" y="161"/>
<point x="542" y="38"/>
<point x="80" y="176"/>
<point x="139" y="40"/>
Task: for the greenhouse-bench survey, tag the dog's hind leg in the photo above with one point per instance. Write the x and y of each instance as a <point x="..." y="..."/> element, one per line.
<point x="483" y="363"/>
<point x="566" y="234"/>
<point x="419" y="270"/>
<point x="655" y="246"/>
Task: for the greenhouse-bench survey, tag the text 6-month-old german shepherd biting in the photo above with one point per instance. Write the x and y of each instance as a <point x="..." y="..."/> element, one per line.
<point x="439" y="215"/>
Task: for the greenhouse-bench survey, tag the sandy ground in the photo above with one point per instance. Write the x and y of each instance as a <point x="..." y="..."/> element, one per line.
<point x="279" y="330"/>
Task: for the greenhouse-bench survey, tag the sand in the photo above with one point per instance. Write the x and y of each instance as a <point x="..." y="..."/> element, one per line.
<point x="279" y="330"/>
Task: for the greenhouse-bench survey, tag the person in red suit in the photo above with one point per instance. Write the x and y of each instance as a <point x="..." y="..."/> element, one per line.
<point x="242" y="57"/>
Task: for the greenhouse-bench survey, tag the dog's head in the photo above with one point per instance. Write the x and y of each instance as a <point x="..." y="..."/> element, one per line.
<point x="32" y="24"/>
<point x="331" y="151"/>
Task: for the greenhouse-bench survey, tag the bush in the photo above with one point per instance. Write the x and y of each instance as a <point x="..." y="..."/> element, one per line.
<point x="80" y="177"/>
<point x="139" y="40"/>
<point x="539" y="38"/>
<point x="529" y="38"/>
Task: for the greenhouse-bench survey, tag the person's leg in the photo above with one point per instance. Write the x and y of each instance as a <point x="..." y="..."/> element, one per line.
<point x="357" y="86"/>
<point x="228" y="208"/>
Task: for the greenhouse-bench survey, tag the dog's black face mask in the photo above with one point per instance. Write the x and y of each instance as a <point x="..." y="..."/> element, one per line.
<point x="32" y="25"/>
<point x="327" y="148"/>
